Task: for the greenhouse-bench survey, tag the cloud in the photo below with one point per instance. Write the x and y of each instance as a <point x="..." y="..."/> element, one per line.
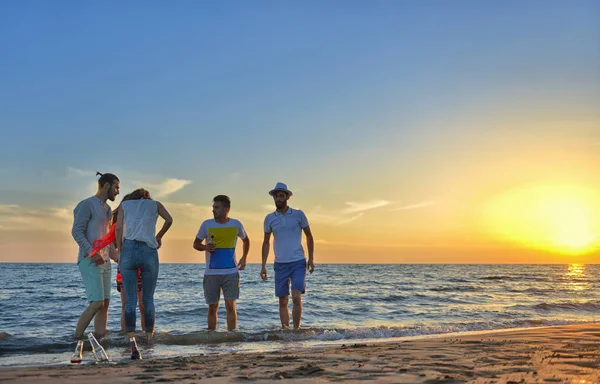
<point x="350" y="219"/>
<point x="158" y="186"/>
<point x="317" y="215"/>
<point x="8" y="208"/>
<point x="17" y="218"/>
<point x="203" y="212"/>
<point x="167" y="187"/>
<point x="415" y="206"/>
<point x="320" y="217"/>
<point x="268" y="207"/>
<point x="72" y="171"/>
<point x="361" y="207"/>
<point x="189" y="210"/>
<point x="62" y="213"/>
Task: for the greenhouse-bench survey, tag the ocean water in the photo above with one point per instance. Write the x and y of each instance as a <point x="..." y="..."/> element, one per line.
<point x="40" y="305"/>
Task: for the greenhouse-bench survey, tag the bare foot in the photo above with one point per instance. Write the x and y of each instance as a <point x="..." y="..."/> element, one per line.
<point x="149" y="338"/>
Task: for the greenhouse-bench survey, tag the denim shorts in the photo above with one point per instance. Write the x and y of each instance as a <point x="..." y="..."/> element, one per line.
<point x="96" y="279"/>
<point x="286" y="273"/>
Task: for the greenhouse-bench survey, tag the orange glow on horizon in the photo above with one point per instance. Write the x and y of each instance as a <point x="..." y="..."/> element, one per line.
<point x="557" y="219"/>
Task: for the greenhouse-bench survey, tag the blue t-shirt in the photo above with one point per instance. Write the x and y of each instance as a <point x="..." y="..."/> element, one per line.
<point x="222" y="261"/>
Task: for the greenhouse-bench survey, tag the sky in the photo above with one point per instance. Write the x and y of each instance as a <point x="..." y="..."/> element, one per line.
<point x="409" y="131"/>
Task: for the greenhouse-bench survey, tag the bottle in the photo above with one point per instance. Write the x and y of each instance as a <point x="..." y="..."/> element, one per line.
<point x="99" y="352"/>
<point x="78" y="354"/>
<point x="135" y="352"/>
<point x="210" y="240"/>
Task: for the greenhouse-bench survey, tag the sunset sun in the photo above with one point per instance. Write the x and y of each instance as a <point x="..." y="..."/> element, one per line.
<point x="572" y="223"/>
<point x="556" y="219"/>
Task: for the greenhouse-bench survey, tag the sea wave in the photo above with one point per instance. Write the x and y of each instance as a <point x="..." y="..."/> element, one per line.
<point x="589" y="306"/>
<point x="496" y="278"/>
<point x="24" y="345"/>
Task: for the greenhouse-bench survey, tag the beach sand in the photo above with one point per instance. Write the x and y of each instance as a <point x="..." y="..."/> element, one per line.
<point x="563" y="354"/>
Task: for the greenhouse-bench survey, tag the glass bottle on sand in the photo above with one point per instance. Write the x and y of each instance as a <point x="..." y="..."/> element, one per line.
<point x="99" y="352"/>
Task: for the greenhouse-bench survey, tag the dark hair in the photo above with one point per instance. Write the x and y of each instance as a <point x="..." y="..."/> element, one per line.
<point x="106" y="178"/>
<point x="116" y="211"/>
<point x="138" y="194"/>
<point x="223" y="199"/>
<point x="127" y="197"/>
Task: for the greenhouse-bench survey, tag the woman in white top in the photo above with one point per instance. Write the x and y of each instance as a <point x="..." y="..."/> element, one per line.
<point x="138" y="242"/>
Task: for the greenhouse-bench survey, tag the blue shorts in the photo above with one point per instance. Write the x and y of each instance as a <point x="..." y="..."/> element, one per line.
<point x="286" y="272"/>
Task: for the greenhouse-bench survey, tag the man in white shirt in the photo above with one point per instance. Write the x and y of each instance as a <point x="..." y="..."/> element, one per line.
<point x="286" y="225"/>
<point x="92" y="218"/>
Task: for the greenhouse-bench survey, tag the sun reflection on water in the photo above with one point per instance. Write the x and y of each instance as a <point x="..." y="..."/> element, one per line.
<point x="576" y="277"/>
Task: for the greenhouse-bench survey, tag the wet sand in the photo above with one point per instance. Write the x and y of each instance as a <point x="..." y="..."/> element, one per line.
<point x="564" y="354"/>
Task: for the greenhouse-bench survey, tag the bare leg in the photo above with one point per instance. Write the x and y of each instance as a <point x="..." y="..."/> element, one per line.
<point x="101" y="319"/>
<point x="284" y="312"/>
<point x="149" y="335"/>
<point x="231" y="314"/>
<point x="122" y="310"/>
<point x="213" y="310"/>
<point x="86" y="317"/>
<point x="141" y="306"/>
<point x="297" y="308"/>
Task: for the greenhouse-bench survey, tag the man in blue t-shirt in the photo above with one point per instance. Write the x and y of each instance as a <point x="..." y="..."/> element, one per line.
<point x="286" y="225"/>
<point x="222" y="269"/>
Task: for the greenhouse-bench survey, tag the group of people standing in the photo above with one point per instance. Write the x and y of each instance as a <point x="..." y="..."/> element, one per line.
<point x="128" y="236"/>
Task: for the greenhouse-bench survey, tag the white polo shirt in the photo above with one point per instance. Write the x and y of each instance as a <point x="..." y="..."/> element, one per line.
<point x="287" y="234"/>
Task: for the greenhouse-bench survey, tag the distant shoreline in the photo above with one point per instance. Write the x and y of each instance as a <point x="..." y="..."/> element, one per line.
<point x="271" y="262"/>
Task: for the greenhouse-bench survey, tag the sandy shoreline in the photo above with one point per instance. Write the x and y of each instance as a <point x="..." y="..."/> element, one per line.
<point x="563" y="354"/>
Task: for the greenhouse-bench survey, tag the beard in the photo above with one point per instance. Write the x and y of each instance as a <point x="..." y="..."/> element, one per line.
<point x="280" y="204"/>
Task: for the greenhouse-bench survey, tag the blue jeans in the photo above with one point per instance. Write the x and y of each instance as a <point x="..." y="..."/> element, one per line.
<point x="136" y="254"/>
